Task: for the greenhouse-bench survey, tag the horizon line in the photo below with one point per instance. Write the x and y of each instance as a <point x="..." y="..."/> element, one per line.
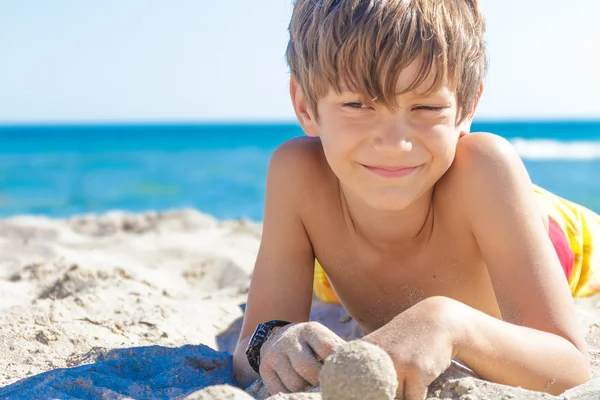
<point x="234" y="122"/>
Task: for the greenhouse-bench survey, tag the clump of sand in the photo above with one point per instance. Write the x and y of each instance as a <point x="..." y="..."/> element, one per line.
<point x="222" y="392"/>
<point x="358" y="370"/>
<point x="149" y="305"/>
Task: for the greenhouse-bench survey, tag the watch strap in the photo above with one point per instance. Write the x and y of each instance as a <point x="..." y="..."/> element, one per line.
<point x="257" y="340"/>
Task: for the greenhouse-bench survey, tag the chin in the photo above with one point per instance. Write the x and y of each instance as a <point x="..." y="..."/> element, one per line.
<point x="391" y="202"/>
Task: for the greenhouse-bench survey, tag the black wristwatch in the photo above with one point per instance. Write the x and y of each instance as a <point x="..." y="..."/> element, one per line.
<point x="259" y="337"/>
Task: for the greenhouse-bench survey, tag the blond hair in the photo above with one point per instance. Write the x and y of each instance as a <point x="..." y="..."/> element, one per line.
<point x="363" y="45"/>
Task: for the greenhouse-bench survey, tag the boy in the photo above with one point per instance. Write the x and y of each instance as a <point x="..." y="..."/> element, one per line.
<point x="434" y="240"/>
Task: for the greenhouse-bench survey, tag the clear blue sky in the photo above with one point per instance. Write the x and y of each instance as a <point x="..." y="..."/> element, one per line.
<point x="199" y="60"/>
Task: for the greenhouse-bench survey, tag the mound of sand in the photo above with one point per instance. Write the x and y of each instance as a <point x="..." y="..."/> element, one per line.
<point x="149" y="306"/>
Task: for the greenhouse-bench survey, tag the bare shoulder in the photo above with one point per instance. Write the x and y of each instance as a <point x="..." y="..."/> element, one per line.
<point x="486" y="169"/>
<point x="485" y="153"/>
<point x="301" y="157"/>
<point x="298" y="167"/>
<point x="298" y="149"/>
<point x="484" y="163"/>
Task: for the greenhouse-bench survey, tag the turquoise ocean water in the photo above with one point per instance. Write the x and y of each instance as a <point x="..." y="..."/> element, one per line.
<point x="220" y="169"/>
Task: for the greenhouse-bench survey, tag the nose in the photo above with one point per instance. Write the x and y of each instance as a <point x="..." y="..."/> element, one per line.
<point x="393" y="136"/>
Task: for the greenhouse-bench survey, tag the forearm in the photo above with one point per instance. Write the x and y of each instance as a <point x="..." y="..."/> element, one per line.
<point x="515" y="355"/>
<point x="243" y="374"/>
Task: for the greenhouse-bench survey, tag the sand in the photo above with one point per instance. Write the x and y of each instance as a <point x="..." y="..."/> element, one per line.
<point x="358" y="370"/>
<point x="149" y="306"/>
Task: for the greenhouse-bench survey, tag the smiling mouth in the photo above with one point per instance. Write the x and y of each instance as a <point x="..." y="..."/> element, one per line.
<point x="390" y="172"/>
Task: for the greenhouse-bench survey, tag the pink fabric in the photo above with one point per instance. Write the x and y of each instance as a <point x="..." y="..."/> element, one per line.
<point x="561" y="245"/>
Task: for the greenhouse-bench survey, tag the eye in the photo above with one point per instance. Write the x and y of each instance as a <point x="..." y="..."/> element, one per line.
<point x="356" y="105"/>
<point x="429" y="108"/>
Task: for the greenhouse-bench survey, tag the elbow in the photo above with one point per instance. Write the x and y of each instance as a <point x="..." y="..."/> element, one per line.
<point x="579" y="374"/>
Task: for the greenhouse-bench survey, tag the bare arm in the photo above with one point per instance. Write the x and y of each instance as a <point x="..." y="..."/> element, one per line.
<point x="281" y="286"/>
<point x="538" y="344"/>
<point x="519" y="356"/>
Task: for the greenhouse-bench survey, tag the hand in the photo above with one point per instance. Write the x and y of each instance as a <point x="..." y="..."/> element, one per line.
<point x="421" y="342"/>
<point x="291" y="358"/>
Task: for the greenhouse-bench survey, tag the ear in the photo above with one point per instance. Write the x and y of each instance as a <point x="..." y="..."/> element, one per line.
<point x="303" y="112"/>
<point x="465" y="126"/>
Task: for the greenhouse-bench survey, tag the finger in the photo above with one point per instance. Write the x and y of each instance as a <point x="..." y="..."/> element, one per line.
<point x="323" y="343"/>
<point x="306" y="365"/>
<point x="400" y="390"/>
<point x="289" y="377"/>
<point x="272" y="381"/>
<point x="415" y="389"/>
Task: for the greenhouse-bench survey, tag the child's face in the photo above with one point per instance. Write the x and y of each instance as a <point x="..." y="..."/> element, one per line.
<point x="389" y="159"/>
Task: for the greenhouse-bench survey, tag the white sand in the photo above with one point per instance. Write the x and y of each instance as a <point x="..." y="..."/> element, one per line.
<point x="138" y="306"/>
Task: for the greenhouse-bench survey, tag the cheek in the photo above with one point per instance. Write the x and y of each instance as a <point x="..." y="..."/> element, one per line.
<point x="334" y="147"/>
<point x="340" y="140"/>
<point x="443" y="142"/>
<point x="447" y="151"/>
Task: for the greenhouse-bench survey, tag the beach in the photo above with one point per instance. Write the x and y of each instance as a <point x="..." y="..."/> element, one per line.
<point x="136" y="139"/>
<point x="149" y="305"/>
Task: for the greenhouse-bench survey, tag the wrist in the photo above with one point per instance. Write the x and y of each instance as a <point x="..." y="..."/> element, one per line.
<point x="458" y="323"/>
<point x="258" y="339"/>
<point x="452" y="315"/>
<point x="272" y="333"/>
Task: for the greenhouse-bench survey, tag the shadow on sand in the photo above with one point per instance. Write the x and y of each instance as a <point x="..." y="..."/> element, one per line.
<point x="155" y="372"/>
<point x="152" y="372"/>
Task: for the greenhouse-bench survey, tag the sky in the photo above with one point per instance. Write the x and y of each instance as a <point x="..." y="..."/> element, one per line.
<point x="223" y="61"/>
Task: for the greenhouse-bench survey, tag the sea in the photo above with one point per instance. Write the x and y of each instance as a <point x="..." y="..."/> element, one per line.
<point x="220" y="169"/>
